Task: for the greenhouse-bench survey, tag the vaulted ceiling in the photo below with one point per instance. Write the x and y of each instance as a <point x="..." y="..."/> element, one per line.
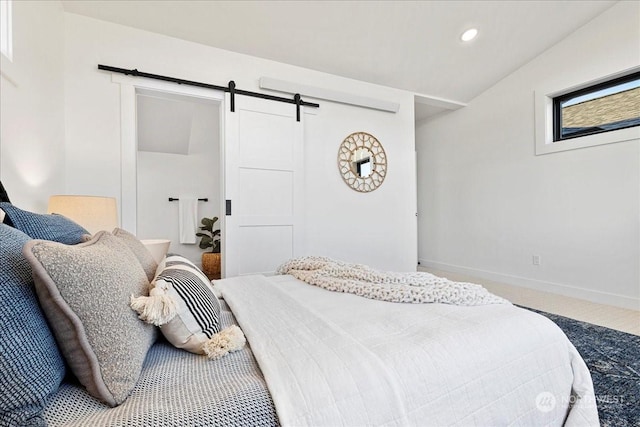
<point x="412" y="45"/>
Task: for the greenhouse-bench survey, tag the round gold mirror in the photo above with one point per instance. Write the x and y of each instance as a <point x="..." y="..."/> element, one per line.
<point x="362" y="162"/>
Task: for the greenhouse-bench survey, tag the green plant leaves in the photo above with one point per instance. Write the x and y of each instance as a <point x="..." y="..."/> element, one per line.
<point x="211" y="239"/>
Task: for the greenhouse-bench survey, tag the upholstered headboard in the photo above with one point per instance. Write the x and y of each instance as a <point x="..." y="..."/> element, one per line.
<point x="4" y="197"/>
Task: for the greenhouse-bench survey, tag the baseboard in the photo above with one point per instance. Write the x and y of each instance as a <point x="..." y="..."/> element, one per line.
<point x="598" y="297"/>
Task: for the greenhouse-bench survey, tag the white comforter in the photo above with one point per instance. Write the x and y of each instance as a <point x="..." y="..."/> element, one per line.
<point x="334" y="359"/>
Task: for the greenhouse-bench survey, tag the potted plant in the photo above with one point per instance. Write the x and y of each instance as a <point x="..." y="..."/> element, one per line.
<point x="210" y="238"/>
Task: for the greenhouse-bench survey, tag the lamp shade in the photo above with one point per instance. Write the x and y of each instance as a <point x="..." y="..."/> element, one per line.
<point x="92" y="212"/>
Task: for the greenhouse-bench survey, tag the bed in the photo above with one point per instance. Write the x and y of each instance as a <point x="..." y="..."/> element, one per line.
<point x="317" y="357"/>
<point x="340" y="359"/>
<point x="313" y="356"/>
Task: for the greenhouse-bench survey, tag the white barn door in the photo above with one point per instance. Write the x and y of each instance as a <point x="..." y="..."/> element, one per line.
<point x="263" y="182"/>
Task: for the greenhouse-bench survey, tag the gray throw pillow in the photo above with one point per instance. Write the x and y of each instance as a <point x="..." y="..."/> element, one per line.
<point x="139" y="250"/>
<point x="84" y="291"/>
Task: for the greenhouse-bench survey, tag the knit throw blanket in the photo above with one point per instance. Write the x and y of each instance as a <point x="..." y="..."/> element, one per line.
<point x="366" y="282"/>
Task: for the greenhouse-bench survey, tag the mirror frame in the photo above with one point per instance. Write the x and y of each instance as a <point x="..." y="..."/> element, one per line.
<point x="350" y="145"/>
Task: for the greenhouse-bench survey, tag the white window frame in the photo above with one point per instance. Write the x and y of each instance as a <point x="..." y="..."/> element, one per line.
<point x="544" y="120"/>
<point x="6" y="29"/>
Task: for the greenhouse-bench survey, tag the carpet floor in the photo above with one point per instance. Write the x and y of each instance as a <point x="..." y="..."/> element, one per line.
<point x="613" y="358"/>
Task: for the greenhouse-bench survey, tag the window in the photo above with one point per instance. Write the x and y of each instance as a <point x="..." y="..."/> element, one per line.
<point x="583" y="110"/>
<point x="604" y="107"/>
<point x="6" y="42"/>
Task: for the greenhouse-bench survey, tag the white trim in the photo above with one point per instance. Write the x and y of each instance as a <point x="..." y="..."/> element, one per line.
<point x="435" y="101"/>
<point x="170" y="87"/>
<point x="6" y="29"/>
<point x="543" y="107"/>
<point x="128" y="159"/>
<point x="128" y="137"/>
<point x="328" y="94"/>
<point x="540" y="285"/>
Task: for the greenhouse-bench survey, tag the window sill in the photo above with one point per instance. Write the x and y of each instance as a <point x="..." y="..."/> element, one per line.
<point x="544" y="146"/>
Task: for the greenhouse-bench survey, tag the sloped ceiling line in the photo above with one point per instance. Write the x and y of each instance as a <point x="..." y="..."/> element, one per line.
<point x="408" y="45"/>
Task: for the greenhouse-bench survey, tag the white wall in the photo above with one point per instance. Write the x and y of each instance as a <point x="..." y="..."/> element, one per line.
<point x="378" y="228"/>
<point x="164" y="175"/>
<point x="32" y="105"/>
<point x="487" y="204"/>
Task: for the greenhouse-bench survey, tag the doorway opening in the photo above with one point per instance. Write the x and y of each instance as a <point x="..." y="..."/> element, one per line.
<point x="178" y="155"/>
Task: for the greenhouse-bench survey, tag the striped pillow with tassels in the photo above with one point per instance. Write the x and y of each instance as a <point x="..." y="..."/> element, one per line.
<point x="183" y="304"/>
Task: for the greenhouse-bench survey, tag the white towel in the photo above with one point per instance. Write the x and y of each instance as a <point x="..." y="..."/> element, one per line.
<point x="188" y="218"/>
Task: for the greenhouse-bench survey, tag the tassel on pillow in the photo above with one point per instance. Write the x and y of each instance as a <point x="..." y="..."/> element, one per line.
<point x="158" y="308"/>
<point x="224" y="342"/>
<point x="183" y="303"/>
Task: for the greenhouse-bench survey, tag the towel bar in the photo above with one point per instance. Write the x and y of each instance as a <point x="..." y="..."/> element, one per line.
<point x="175" y="199"/>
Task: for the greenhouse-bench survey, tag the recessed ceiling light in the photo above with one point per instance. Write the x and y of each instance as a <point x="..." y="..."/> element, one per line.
<point x="469" y="35"/>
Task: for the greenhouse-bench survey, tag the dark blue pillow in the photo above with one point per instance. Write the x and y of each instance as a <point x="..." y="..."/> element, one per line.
<point x="53" y="227"/>
<point x="31" y="367"/>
